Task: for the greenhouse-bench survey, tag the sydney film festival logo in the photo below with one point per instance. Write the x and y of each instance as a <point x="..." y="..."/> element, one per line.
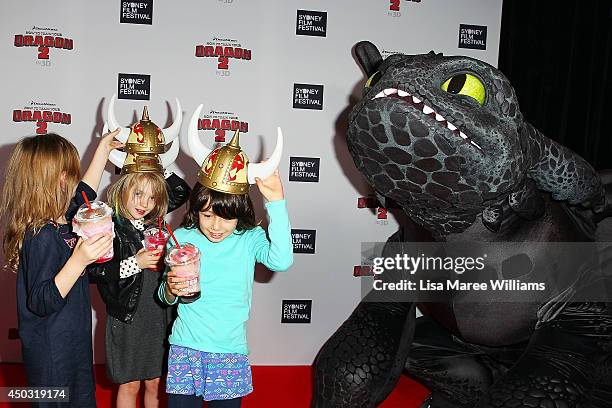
<point x="304" y="169"/>
<point x="473" y="37"/>
<point x="41" y="114"/>
<point x="312" y="23"/>
<point x="307" y="96"/>
<point x="136" y="12"/>
<point x="386" y="52"/>
<point x="296" y="311"/>
<point x="134" y="86"/>
<point x="222" y="122"/>
<point x="225" y="52"/>
<point x="303" y="241"/>
<point x="45" y="41"/>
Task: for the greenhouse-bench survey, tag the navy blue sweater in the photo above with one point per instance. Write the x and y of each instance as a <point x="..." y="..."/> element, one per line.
<point x="55" y="332"/>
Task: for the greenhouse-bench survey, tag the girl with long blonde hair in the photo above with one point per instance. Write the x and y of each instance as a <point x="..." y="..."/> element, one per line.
<point x="136" y="325"/>
<point x="41" y="194"/>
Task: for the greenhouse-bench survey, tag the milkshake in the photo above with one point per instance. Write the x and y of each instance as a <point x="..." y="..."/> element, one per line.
<point x="97" y="220"/>
<point x="185" y="262"/>
<point x="155" y="240"/>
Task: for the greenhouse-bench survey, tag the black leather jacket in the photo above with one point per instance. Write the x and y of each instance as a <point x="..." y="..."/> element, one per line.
<point x="121" y="294"/>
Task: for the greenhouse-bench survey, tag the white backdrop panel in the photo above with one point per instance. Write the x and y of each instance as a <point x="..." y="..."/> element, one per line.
<point x="258" y="91"/>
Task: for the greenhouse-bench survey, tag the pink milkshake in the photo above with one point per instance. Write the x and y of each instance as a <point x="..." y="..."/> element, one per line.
<point x="155" y="240"/>
<point x="185" y="262"/>
<point x="89" y="222"/>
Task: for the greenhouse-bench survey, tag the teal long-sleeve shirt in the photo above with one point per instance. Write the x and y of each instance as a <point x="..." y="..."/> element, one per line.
<point x="216" y="322"/>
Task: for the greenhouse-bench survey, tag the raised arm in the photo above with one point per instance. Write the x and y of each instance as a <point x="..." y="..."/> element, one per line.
<point x="96" y="167"/>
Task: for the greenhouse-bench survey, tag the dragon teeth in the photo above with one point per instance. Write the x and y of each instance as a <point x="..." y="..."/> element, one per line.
<point x="476" y="145"/>
<point x="427" y="110"/>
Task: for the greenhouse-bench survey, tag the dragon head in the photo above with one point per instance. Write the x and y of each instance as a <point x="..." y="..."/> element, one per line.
<point x="441" y="136"/>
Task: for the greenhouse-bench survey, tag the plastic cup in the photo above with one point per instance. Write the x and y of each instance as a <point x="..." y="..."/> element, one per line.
<point x="185" y="262"/>
<point x="155" y="240"/>
<point x="98" y="219"/>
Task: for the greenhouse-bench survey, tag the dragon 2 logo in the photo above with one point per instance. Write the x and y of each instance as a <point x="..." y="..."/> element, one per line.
<point x="222" y="122"/>
<point x="372" y="203"/>
<point x="224" y="51"/>
<point x="43" y="39"/>
<point x="42" y="113"/>
<point x="394" y="7"/>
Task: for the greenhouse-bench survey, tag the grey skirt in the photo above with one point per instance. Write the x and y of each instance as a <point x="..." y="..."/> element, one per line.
<point x="138" y="350"/>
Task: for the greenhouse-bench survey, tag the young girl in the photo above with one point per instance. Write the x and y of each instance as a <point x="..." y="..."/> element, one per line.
<point x="208" y="345"/>
<point x="136" y="326"/>
<point x="40" y="196"/>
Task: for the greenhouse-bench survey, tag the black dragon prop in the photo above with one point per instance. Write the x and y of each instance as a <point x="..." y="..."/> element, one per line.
<point x="445" y="139"/>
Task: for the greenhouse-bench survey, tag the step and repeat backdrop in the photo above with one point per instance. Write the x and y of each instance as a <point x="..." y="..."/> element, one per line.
<point x="255" y="65"/>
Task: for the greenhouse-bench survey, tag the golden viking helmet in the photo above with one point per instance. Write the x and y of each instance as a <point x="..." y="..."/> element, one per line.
<point x="145" y="142"/>
<point x="225" y="168"/>
<point x="145" y="145"/>
<point x="145" y="137"/>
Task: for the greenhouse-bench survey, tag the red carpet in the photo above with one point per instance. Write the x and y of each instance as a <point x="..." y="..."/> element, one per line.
<point x="275" y="386"/>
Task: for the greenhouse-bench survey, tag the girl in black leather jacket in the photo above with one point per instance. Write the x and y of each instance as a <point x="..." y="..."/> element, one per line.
<point x="136" y="325"/>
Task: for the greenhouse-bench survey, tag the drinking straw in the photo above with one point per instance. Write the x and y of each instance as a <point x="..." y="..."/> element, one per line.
<point x="172" y="235"/>
<point x="86" y="200"/>
<point x="159" y="227"/>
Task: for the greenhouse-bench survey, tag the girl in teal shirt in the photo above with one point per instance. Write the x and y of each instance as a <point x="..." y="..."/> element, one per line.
<point x="208" y="345"/>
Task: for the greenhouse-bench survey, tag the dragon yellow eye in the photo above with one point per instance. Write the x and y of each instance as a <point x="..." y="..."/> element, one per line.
<point x="466" y="84"/>
<point x="372" y="79"/>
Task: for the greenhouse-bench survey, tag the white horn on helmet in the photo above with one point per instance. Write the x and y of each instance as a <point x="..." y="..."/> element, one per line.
<point x="117" y="158"/>
<point x="112" y="121"/>
<point x="197" y="149"/>
<point x="170" y="156"/>
<point x="264" y="169"/>
<point x="172" y="131"/>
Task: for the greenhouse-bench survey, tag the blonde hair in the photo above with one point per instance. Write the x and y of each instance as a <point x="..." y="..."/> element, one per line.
<point x="33" y="192"/>
<point x="119" y="193"/>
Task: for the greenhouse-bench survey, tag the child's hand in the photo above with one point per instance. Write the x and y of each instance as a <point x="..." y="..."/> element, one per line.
<point x="271" y="188"/>
<point x="176" y="285"/>
<point x="148" y="259"/>
<point x="90" y="250"/>
<point x="108" y="142"/>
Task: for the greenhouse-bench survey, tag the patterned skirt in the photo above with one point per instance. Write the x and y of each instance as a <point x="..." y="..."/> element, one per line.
<point x="214" y="376"/>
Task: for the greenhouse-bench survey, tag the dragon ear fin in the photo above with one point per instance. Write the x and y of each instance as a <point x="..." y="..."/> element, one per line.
<point x="368" y="57"/>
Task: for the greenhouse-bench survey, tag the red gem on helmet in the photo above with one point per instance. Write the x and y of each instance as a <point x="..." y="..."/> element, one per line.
<point x="211" y="160"/>
<point x="139" y="132"/>
<point x="237" y="165"/>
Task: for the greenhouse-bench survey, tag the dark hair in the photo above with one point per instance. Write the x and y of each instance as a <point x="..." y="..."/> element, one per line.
<point x="224" y="205"/>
